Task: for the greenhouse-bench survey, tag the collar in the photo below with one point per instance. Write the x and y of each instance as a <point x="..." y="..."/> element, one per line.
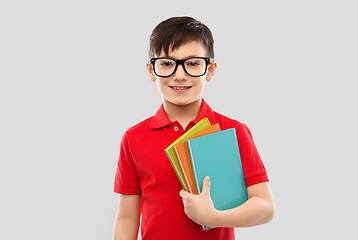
<point x="160" y="119"/>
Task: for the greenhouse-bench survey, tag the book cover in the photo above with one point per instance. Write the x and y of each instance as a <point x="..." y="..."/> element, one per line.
<point x="201" y="125"/>
<point x="182" y="154"/>
<point x="217" y="155"/>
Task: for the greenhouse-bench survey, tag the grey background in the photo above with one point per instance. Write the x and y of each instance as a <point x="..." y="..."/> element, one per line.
<point x="73" y="80"/>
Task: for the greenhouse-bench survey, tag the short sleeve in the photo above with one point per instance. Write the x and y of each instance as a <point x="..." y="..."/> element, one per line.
<point x="126" y="180"/>
<point x="254" y="169"/>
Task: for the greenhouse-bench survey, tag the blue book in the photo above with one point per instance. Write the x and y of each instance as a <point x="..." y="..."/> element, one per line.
<point x="217" y="155"/>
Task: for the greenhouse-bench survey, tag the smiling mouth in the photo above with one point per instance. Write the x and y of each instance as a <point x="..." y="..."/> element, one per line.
<point x="180" y="88"/>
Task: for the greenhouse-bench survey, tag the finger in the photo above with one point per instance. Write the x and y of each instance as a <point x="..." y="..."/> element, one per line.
<point x="206" y="186"/>
<point x="183" y="193"/>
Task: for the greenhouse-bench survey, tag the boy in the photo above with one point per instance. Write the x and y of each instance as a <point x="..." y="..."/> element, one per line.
<point x="181" y="51"/>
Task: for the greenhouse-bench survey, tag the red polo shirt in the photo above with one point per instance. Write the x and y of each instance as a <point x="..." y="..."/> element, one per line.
<point x="143" y="168"/>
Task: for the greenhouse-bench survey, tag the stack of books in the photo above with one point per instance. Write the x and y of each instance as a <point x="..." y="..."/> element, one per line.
<point x="206" y="150"/>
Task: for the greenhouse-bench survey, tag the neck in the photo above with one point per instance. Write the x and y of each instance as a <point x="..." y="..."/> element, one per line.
<point x="182" y="113"/>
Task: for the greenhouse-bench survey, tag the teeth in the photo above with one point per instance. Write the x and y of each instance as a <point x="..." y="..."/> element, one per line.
<point x="180" y="88"/>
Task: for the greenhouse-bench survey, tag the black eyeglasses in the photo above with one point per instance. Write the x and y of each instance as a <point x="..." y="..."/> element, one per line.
<point x="194" y="66"/>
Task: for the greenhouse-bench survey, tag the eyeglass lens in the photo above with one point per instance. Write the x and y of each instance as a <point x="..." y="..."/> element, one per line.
<point x="193" y="66"/>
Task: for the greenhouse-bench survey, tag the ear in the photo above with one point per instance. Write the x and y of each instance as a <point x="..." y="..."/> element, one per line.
<point x="150" y="70"/>
<point x="211" y="71"/>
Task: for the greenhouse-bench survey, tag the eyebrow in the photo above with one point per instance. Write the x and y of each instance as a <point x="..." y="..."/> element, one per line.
<point x="183" y="58"/>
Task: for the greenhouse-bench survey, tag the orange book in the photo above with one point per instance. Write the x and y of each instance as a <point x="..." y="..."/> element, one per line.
<point x="182" y="154"/>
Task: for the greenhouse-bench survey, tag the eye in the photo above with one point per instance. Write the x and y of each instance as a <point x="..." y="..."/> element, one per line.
<point x="166" y="63"/>
<point x="192" y="62"/>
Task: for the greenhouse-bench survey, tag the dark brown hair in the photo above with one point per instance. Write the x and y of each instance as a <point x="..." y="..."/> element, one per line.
<point x="177" y="31"/>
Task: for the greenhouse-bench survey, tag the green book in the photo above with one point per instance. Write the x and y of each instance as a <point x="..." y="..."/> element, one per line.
<point x="201" y="125"/>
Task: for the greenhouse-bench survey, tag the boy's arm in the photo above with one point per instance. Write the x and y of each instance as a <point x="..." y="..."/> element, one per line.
<point x="128" y="216"/>
<point x="258" y="209"/>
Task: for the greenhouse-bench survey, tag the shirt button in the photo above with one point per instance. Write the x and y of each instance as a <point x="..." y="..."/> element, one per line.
<point x="176" y="128"/>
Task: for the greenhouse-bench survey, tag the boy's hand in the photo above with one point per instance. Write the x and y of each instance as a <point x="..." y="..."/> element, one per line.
<point x="200" y="208"/>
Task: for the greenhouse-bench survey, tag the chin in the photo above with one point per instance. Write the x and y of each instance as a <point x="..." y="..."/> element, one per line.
<point x="184" y="102"/>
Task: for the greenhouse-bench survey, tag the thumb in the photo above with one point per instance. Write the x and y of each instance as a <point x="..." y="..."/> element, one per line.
<point x="206" y="186"/>
<point x="183" y="194"/>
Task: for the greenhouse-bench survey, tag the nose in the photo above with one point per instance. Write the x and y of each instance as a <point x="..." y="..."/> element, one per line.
<point x="180" y="73"/>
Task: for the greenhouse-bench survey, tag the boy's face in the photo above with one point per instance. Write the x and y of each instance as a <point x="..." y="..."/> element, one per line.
<point x="180" y="88"/>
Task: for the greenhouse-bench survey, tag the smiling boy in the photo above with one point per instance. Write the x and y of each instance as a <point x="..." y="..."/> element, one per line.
<point x="181" y="52"/>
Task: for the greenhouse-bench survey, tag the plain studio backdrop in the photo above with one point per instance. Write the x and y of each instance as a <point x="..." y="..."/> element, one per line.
<point x="73" y="79"/>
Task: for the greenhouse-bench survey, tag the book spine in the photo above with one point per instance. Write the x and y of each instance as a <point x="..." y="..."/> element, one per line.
<point x="205" y="228"/>
<point x="193" y="166"/>
<point x="182" y="167"/>
<point x="177" y="171"/>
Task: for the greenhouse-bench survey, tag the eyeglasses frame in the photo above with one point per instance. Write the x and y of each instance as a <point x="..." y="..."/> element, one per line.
<point x="181" y="62"/>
